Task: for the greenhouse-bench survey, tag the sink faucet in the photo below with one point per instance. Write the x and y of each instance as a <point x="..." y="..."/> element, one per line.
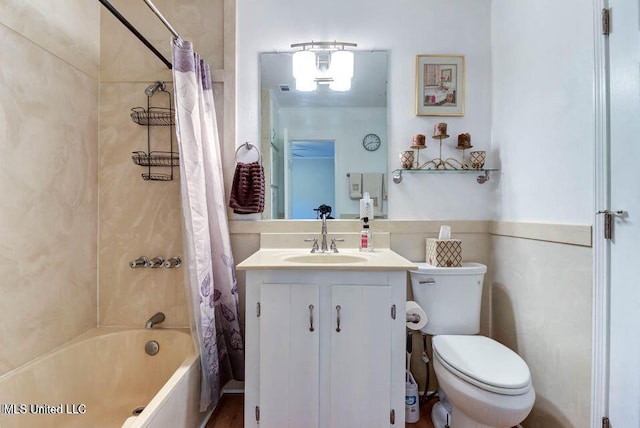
<point x="157" y="318"/>
<point x="323" y="245"/>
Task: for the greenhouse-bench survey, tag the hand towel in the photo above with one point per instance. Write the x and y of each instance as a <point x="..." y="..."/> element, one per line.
<point x="372" y="183"/>
<point x="247" y="190"/>
<point x="355" y="185"/>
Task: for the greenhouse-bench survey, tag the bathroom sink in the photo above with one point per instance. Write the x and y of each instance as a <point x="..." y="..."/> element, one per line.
<point x="325" y="258"/>
<point x="276" y="257"/>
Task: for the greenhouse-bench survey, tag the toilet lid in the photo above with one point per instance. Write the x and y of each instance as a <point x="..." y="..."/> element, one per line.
<point x="483" y="362"/>
<point x="467" y="268"/>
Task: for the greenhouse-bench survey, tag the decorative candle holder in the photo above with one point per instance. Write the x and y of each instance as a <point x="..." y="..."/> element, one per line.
<point x="407" y="159"/>
<point x="419" y="140"/>
<point x="464" y="143"/>
<point x="478" y="158"/>
<point x="440" y="130"/>
<point x="440" y="133"/>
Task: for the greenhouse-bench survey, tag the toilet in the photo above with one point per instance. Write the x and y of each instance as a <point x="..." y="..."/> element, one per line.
<point x="483" y="384"/>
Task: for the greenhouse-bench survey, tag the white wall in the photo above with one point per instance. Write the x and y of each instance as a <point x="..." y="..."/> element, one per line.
<point x="542" y="115"/>
<point x="415" y="27"/>
<point x="543" y="130"/>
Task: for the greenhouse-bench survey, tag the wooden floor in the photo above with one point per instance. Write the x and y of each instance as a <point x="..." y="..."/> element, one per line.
<point x="229" y="413"/>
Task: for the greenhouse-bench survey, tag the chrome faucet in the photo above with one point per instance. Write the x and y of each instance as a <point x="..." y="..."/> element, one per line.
<point x="323" y="244"/>
<point x="323" y="247"/>
<point x="157" y="318"/>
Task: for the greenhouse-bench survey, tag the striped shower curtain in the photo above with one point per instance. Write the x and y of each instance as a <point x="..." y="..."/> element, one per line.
<point x="211" y="282"/>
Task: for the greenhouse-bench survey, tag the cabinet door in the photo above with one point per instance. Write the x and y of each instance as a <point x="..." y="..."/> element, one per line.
<point x="360" y="373"/>
<point x="289" y="355"/>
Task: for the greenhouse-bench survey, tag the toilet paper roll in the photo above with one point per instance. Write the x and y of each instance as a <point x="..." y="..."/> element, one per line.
<point x="413" y="310"/>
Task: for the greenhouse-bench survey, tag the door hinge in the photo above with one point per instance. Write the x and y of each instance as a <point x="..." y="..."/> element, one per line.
<point x="605" y="423"/>
<point x="606" y="21"/>
<point x="392" y="417"/>
<point x="608" y="224"/>
<point x="257" y="413"/>
<point x="608" y="221"/>
<point x="258" y="309"/>
<point x="393" y="312"/>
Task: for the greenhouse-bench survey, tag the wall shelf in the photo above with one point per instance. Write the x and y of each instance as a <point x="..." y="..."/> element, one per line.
<point x="156" y="116"/>
<point x="483" y="174"/>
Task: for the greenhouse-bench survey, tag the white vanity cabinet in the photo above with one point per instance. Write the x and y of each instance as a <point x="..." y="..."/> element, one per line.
<point x="324" y="349"/>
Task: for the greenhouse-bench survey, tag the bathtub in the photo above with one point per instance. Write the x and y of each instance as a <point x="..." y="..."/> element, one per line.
<point x="101" y="377"/>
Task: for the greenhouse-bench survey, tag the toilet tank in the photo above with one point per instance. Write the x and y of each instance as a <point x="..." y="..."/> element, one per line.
<point x="450" y="296"/>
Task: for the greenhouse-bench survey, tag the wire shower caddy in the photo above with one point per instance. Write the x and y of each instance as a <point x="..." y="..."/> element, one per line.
<point x="156" y="116"/>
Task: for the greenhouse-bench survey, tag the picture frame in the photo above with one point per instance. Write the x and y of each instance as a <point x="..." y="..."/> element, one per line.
<point x="440" y="85"/>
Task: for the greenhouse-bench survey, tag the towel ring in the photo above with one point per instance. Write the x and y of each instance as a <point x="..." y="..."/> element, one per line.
<point x="248" y="146"/>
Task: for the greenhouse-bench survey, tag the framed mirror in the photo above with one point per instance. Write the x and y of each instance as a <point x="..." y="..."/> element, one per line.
<point x="323" y="147"/>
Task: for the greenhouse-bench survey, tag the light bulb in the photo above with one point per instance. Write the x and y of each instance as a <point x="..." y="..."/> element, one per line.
<point x="304" y="70"/>
<point x="304" y="65"/>
<point x="341" y="64"/>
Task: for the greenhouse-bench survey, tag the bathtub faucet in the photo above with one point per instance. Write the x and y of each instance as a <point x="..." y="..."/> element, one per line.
<point x="155" y="319"/>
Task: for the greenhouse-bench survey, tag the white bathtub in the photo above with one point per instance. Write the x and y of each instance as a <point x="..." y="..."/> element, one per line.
<point x="98" y="379"/>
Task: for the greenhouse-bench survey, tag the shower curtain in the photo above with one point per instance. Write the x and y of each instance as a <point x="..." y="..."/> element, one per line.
<point x="211" y="280"/>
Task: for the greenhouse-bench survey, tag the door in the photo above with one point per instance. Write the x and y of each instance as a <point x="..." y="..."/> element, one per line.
<point x="311" y="177"/>
<point x="287" y="173"/>
<point x="289" y="356"/>
<point x="624" y="287"/>
<point x="360" y="356"/>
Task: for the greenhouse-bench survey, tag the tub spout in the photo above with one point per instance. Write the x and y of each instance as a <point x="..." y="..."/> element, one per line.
<point x="155" y="319"/>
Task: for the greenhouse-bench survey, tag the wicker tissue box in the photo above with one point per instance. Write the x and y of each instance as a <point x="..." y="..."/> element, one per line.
<point x="444" y="253"/>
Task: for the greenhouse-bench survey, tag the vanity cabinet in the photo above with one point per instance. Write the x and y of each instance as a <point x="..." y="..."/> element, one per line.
<point x="324" y="349"/>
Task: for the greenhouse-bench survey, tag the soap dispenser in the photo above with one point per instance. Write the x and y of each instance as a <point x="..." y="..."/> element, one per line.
<point x="365" y="236"/>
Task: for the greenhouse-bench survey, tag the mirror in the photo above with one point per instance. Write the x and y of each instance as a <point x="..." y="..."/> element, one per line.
<point x="317" y="146"/>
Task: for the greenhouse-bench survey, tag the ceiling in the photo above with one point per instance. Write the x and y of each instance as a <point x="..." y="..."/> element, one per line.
<point x="368" y="86"/>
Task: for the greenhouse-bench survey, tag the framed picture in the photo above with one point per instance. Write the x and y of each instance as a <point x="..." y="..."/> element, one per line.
<point x="439" y="85"/>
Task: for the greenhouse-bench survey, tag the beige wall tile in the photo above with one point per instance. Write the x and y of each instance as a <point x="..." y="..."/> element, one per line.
<point x="124" y="58"/>
<point x="68" y="29"/>
<point x="48" y="185"/>
<point x="144" y="218"/>
<point x="137" y="217"/>
<point x="541" y="300"/>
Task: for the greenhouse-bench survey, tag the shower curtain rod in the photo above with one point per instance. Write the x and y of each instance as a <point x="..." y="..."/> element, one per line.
<point x="135" y="31"/>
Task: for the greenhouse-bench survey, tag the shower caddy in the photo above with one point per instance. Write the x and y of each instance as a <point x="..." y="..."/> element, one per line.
<point x="155" y="116"/>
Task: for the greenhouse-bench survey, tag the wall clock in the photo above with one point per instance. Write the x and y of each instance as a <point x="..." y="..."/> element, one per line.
<point x="371" y="142"/>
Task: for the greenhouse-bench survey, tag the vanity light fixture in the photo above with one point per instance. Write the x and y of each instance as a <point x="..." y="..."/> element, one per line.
<point x="323" y="63"/>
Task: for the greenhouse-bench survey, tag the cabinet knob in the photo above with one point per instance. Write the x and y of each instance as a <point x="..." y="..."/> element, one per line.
<point x="338" y="318"/>
<point x="311" y="318"/>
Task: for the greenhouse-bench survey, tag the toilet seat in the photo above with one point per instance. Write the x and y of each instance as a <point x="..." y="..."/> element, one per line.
<point x="483" y="362"/>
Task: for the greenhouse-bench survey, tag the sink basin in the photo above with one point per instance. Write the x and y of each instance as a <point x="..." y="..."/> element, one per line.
<point x="325" y="258"/>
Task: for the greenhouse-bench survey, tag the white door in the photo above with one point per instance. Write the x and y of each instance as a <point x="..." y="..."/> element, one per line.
<point x="289" y="356"/>
<point x="624" y="328"/>
<point x="360" y="377"/>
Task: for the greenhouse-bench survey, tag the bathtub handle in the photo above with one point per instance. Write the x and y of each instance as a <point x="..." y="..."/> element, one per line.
<point x="311" y="318"/>
<point x="338" y="318"/>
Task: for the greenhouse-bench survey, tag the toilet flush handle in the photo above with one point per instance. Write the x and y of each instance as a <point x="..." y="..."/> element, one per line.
<point x="427" y="281"/>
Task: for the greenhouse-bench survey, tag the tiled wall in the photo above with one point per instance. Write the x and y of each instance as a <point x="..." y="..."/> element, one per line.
<point x="48" y="175"/>
<point x="541" y="308"/>
<point x="137" y="217"/>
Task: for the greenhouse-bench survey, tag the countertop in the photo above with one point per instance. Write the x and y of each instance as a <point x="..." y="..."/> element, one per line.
<point x="382" y="259"/>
